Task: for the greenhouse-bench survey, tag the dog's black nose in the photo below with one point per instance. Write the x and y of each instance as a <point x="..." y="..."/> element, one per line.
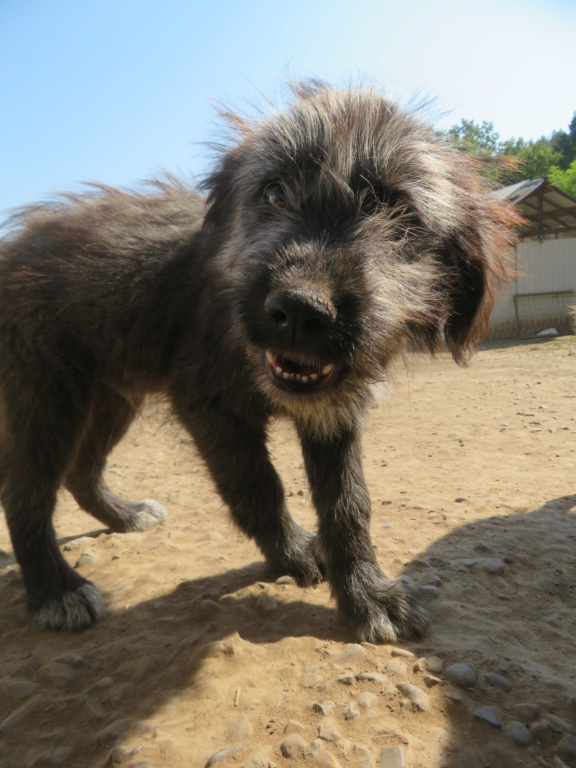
<point x="297" y="319"/>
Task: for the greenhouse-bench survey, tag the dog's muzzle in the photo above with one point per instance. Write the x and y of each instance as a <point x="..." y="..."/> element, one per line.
<point x="298" y="375"/>
<point x="298" y="321"/>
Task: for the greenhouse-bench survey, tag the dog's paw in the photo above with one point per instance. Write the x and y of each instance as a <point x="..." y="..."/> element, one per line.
<point x="382" y="610"/>
<point x="297" y="559"/>
<point x="147" y="514"/>
<point x="128" y="516"/>
<point x="73" y="610"/>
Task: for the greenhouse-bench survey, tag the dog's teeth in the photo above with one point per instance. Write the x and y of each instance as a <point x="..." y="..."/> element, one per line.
<point x="304" y="379"/>
<point x="314" y="376"/>
<point x="270" y="357"/>
<point x="285" y="375"/>
<point x="327" y="368"/>
<point x="278" y="370"/>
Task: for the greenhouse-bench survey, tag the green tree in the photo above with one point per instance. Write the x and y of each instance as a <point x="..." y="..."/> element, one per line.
<point x="565" y="180"/>
<point x="471" y="137"/>
<point x="508" y="162"/>
<point x="537" y="157"/>
<point x="481" y="141"/>
<point x="565" y="143"/>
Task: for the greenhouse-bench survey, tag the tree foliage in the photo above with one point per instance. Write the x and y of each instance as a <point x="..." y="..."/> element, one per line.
<point x="513" y="160"/>
<point x="565" y="180"/>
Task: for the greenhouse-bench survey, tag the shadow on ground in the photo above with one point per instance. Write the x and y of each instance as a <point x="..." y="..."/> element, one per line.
<point x="519" y="624"/>
<point x="516" y="621"/>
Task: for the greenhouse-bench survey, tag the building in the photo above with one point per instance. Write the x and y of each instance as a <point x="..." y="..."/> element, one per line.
<point x="544" y="290"/>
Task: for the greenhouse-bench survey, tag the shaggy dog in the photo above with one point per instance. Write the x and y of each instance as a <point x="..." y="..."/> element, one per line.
<point x="334" y="236"/>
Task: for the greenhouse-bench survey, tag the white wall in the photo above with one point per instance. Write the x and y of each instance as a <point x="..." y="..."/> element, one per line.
<point x="547" y="268"/>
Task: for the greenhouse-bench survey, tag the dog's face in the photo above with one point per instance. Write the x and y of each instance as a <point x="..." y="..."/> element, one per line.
<point x="348" y="233"/>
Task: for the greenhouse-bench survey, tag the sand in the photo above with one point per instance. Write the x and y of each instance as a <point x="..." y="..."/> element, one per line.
<point x="204" y="659"/>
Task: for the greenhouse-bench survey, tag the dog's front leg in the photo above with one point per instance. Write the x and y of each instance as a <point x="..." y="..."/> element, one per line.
<point x="379" y="609"/>
<point x="236" y="455"/>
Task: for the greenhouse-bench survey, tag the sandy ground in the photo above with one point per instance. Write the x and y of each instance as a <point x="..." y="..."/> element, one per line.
<point x="204" y="659"/>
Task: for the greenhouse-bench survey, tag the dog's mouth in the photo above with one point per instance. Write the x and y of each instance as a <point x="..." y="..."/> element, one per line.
<point x="298" y="375"/>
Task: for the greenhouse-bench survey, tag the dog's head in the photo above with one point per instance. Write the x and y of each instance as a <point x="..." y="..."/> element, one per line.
<point x="347" y="232"/>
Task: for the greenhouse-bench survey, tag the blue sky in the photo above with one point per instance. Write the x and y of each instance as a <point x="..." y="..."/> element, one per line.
<point x="117" y="90"/>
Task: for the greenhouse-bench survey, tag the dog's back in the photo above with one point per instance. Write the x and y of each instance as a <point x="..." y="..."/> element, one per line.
<point x="81" y="281"/>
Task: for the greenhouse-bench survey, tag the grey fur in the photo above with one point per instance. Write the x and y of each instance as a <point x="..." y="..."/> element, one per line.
<point x="335" y="236"/>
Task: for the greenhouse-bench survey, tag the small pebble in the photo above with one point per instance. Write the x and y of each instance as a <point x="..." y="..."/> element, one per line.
<point x="347" y="678"/>
<point x="310" y="680"/>
<point x="417" y="698"/>
<point x="499" y="681"/>
<point x="460" y="499"/>
<point x="563" y="725"/>
<point x="73" y="660"/>
<point x="85" y="559"/>
<point x="408" y="582"/>
<point x="545" y="733"/>
<point x="403" y="653"/>
<point x="490" y="715"/>
<point x="481" y="546"/>
<point x="327" y="731"/>
<point x="461" y="675"/>
<point x="431" y="681"/>
<point x="238" y="729"/>
<point x="293" y="746"/>
<point x="351" y="711"/>
<point x="519" y="733"/>
<point x="56" y="673"/>
<point x="286" y="580"/>
<point x="323" y="707"/>
<point x="361" y="750"/>
<point x="314" y="748"/>
<point x="434" y="664"/>
<point x="393" y="757"/>
<point x="351" y="652"/>
<point x="376" y="677"/>
<point x="210" y="608"/>
<point x="266" y="604"/>
<point x="366" y="700"/>
<point x="20" y="689"/>
<point x="222" y="753"/>
<point x="493" y="565"/>
<point x="14" y="720"/>
<point x="395" y="667"/>
<point x="256" y="761"/>
<point x="293" y="726"/>
<point x="567" y="747"/>
<point x="326" y="760"/>
<point x="526" y="712"/>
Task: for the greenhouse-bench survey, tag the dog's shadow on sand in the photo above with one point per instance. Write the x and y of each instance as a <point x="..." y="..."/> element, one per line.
<point x="506" y="606"/>
<point x="133" y="662"/>
<point x="519" y="623"/>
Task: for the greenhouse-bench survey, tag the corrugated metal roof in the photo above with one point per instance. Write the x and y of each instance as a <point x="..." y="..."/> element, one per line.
<point x="542" y="204"/>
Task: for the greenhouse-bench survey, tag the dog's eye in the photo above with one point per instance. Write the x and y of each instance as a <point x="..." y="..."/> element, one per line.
<point x="275" y="196"/>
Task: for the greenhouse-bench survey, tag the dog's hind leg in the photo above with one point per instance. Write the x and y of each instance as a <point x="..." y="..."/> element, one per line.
<point x="111" y="415"/>
<point x="42" y="440"/>
<point x="236" y="455"/>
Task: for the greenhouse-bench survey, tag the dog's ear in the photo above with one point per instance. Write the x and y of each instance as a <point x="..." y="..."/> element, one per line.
<point x="220" y="186"/>
<point x="477" y="261"/>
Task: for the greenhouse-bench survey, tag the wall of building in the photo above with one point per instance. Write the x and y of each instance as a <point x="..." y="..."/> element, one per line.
<point x="542" y="294"/>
